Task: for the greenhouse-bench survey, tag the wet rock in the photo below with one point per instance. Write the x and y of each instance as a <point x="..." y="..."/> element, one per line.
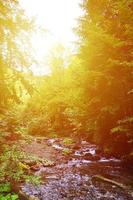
<point x="33" y="198"/>
<point x="71" y="178"/>
<point x="83" y="142"/>
<point x="89" y="156"/>
<point x="49" y="143"/>
<point x="36" y="167"/>
<point x="98" y="151"/>
<point x="107" y="155"/>
<point x="52" y="177"/>
<point x="39" y="140"/>
<point x="77" y="147"/>
<point x="96" y="157"/>
<point x="127" y="160"/>
<point x="23" y="195"/>
<point x="57" y="147"/>
<point x="47" y="163"/>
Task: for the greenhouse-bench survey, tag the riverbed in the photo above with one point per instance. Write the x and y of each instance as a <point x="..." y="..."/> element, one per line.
<point x="72" y="176"/>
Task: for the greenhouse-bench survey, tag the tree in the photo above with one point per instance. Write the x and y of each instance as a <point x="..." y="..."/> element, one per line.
<point x="106" y="51"/>
<point x="15" y="46"/>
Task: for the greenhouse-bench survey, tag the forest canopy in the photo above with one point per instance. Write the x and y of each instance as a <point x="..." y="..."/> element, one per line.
<point x="92" y="97"/>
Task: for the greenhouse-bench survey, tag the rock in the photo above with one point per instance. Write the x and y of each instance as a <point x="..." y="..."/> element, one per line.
<point x="96" y="157"/>
<point x="39" y="140"/>
<point x="36" y="167"/>
<point x="30" y="162"/>
<point x="89" y="156"/>
<point x="32" y="197"/>
<point x="47" y="163"/>
<point x="83" y="142"/>
<point x="52" y="177"/>
<point x="23" y="195"/>
<point x="49" y="143"/>
<point x="76" y="147"/>
<point x="107" y="155"/>
<point x="127" y="160"/>
<point x="98" y="151"/>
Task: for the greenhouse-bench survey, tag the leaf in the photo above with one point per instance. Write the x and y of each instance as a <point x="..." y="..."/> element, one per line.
<point x="118" y="129"/>
<point x="23" y="166"/>
<point x="14" y="197"/>
<point x="5" y="187"/>
<point x="9" y="197"/>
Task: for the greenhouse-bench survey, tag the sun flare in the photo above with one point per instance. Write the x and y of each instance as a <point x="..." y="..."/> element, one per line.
<point x="58" y="17"/>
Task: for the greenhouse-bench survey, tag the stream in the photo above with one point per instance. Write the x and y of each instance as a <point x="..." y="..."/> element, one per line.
<point x="71" y="177"/>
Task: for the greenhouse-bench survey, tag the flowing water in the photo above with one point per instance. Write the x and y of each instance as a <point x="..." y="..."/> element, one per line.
<point x="71" y="178"/>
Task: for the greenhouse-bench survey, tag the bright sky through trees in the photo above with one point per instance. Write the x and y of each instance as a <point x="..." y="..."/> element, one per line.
<point x="58" y="17"/>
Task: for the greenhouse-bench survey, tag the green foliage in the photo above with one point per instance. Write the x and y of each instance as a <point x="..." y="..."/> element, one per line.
<point x="9" y="197"/>
<point x="105" y="36"/>
<point x="47" y="162"/>
<point x="5" y="187"/>
<point x="5" y="192"/>
<point x="67" y="141"/>
<point x="123" y="133"/>
<point x="53" y="135"/>
<point x="118" y="129"/>
<point x="36" y="180"/>
<point x="66" y="151"/>
<point x="14" y="27"/>
<point x="13" y="167"/>
<point x="10" y="168"/>
<point x="39" y="126"/>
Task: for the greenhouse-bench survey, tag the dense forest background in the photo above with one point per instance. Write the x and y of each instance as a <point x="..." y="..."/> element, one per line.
<point x="88" y="97"/>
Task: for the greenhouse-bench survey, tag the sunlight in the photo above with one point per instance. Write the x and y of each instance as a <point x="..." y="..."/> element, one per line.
<point x="66" y="101"/>
<point x="58" y="17"/>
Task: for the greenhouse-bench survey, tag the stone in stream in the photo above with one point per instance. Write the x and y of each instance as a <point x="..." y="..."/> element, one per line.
<point x="36" y="167"/>
<point x="98" y="151"/>
<point x="48" y="164"/>
<point x="89" y="156"/>
<point x="24" y="196"/>
<point x="127" y="160"/>
<point x="76" y="147"/>
<point x="33" y="198"/>
<point x="52" y="177"/>
<point x="39" y="140"/>
<point x="49" y="143"/>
